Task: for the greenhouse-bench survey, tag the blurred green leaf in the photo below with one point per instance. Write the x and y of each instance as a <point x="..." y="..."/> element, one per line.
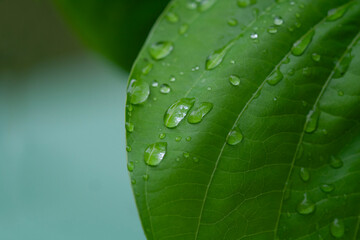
<point x="272" y="150"/>
<point x="116" y="28"/>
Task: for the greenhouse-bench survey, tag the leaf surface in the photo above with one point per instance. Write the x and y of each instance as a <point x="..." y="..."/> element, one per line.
<point x="277" y="155"/>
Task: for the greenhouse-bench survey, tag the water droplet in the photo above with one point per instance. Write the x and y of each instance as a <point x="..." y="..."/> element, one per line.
<point x="278" y="21"/>
<point x="327" y="188"/>
<point x="128" y="148"/>
<point x="191" y="5"/>
<point x="129" y="126"/>
<point x="164" y="88"/>
<point x="195" y="159"/>
<point x="146" y="177"/>
<point x="291" y="72"/>
<point x="286" y="60"/>
<point x="272" y="30"/>
<point x="343" y="65"/>
<point x="297" y="24"/>
<point x="291" y="29"/>
<point x="155" y="84"/>
<point x="234" y="137"/>
<point x="209" y="88"/>
<point x="306" y="206"/>
<point x="188" y="139"/>
<point x="304" y="174"/>
<point x="215" y="58"/>
<point x="336" y="162"/>
<point x="162" y="135"/>
<point x="205" y="4"/>
<point x="147" y="68"/>
<point x="183" y="28"/>
<point x="196" y="68"/>
<point x="186" y="154"/>
<point x="316" y="57"/>
<point x="232" y="22"/>
<point x="245" y="3"/>
<point x="275" y="77"/>
<point x="155" y="153"/>
<point x="232" y="61"/>
<point x="199" y="113"/>
<point x="138" y="91"/>
<point x="178" y="138"/>
<point x="337" y="228"/>
<point x="254" y="36"/>
<point x="160" y="50"/>
<point x="306" y="71"/>
<point x="172" y="79"/>
<point x="130" y="107"/>
<point x="234" y="80"/>
<point x="301" y="45"/>
<point x="178" y="111"/>
<point x="172" y="17"/>
<point x="130" y="166"/>
<point x="340" y="93"/>
<point x="133" y="181"/>
<point x="335" y="14"/>
<point x="312" y="121"/>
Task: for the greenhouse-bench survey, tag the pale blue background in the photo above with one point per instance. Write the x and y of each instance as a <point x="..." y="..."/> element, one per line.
<point x="62" y="153"/>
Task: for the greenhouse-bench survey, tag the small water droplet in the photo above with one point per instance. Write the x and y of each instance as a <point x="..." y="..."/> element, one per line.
<point x="199" y="113"/>
<point x="286" y="60"/>
<point x="335" y="14"/>
<point x="312" y="120"/>
<point x="205" y="4"/>
<point x="172" y="17"/>
<point x="164" y="88"/>
<point x="278" y="21"/>
<point x="130" y="166"/>
<point x="254" y="36"/>
<point x="188" y="139"/>
<point x="336" y="162"/>
<point x="177" y="112"/>
<point x="162" y="135"/>
<point x="128" y="148"/>
<point x="146" y="177"/>
<point x="195" y="159"/>
<point x="232" y="22"/>
<point x="138" y="91"/>
<point x="209" y="88"/>
<point x="186" y="154"/>
<point x="316" y="57"/>
<point x="172" y="79"/>
<point x="300" y="46"/>
<point x="291" y="72"/>
<point x="272" y="30"/>
<point x="327" y="188"/>
<point x="343" y="65"/>
<point x="234" y="137"/>
<point x="147" y="68"/>
<point x="155" y="84"/>
<point x="340" y="93"/>
<point x="337" y="228"/>
<point x="306" y="71"/>
<point x="155" y="153"/>
<point x="196" y="68"/>
<point x="245" y="3"/>
<point x="133" y="181"/>
<point x="304" y="174"/>
<point x="129" y="126"/>
<point x="232" y="61"/>
<point x="160" y="50"/>
<point x="215" y="58"/>
<point x="275" y="77"/>
<point x="183" y="28"/>
<point x="191" y="5"/>
<point x="298" y="24"/>
<point x="178" y="138"/>
<point x="306" y="206"/>
<point x="234" y="80"/>
<point x="291" y="29"/>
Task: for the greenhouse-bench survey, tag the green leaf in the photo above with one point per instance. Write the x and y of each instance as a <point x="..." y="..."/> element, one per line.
<point x="116" y="28"/>
<point x="277" y="156"/>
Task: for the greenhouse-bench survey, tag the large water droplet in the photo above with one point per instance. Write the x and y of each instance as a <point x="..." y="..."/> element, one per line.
<point x="205" y="5"/>
<point x="215" y="58"/>
<point x="306" y="206"/>
<point x="160" y="50"/>
<point x="337" y="228"/>
<point x="335" y="14"/>
<point x="301" y="45"/>
<point x="234" y="80"/>
<point x="312" y="120"/>
<point x="336" y="162"/>
<point x="164" y="88"/>
<point x="177" y="112"/>
<point x="155" y="153"/>
<point x="138" y="91"/>
<point x="172" y="17"/>
<point x="275" y="77"/>
<point x="234" y="137"/>
<point x="130" y="166"/>
<point x="278" y="21"/>
<point x="304" y="174"/>
<point x="245" y="3"/>
<point x="327" y="188"/>
<point x="199" y="113"/>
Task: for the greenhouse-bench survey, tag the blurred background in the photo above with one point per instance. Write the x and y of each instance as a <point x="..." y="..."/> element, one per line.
<point x="63" y="73"/>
